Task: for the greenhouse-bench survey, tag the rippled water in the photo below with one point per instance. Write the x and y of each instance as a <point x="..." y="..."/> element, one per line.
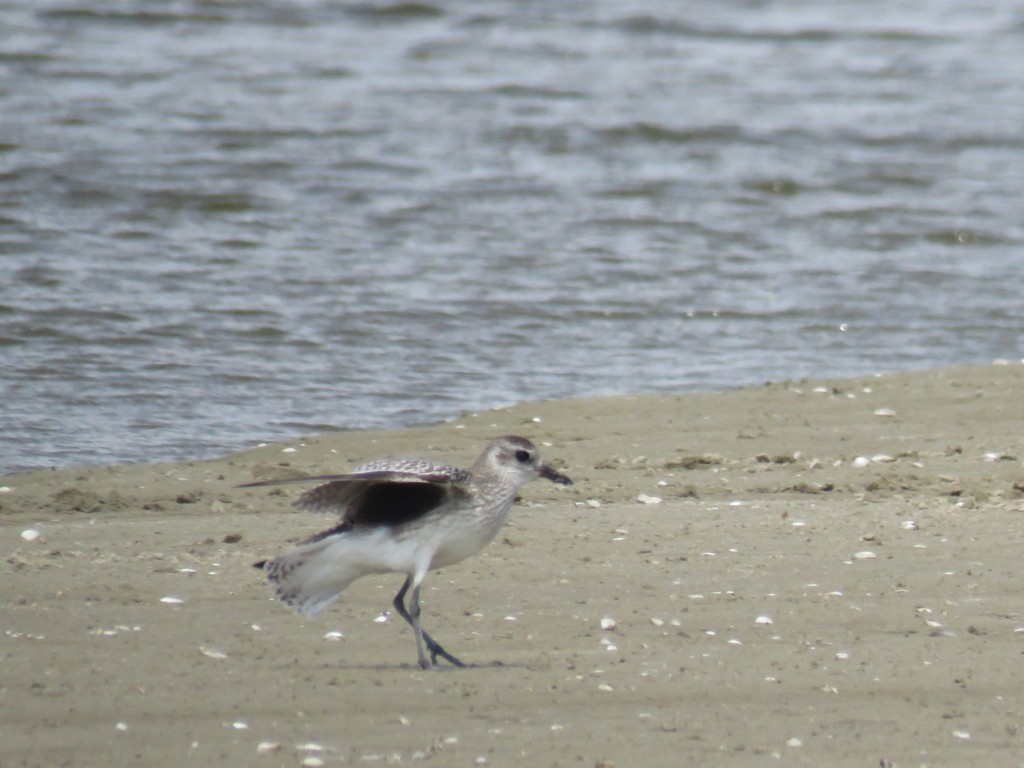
<point x="225" y="222"/>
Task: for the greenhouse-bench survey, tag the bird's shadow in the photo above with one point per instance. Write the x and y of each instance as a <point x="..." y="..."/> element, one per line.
<point x="440" y="668"/>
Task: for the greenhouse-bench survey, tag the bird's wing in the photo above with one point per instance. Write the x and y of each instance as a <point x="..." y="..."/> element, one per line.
<point x="373" y="475"/>
<point x="383" y="492"/>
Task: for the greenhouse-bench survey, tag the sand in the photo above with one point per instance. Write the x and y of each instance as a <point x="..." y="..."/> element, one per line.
<point x="773" y="601"/>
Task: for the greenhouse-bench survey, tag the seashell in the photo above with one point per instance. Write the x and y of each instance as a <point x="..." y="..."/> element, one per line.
<point x="171" y="600"/>
<point x="212" y="653"/>
<point x="267" y="747"/>
<point x="883" y="458"/>
<point x="643" y="498"/>
<point x="240" y="725"/>
<point x="885" y="412"/>
<point x="608" y="623"/>
<point x="30" y="534"/>
<point x="865" y="555"/>
<point x="908" y="525"/>
<point x="312" y="762"/>
<point x="764" y="620"/>
<point x="862" y="461"/>
<point x="794" y="742"/>
<point x="336" y="634"/>
<point x="657" y="622"/>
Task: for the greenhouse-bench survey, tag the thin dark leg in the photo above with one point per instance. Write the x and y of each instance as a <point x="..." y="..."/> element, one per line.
<point x="413" y="621"/>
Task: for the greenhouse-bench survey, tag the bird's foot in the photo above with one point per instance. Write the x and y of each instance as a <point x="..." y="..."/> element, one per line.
<point x="436" y="650"/>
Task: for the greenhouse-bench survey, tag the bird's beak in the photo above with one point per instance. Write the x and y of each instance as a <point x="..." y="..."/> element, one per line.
<point x="550" y="474"/>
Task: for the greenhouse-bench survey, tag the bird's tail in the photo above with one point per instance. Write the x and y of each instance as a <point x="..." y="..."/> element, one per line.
<point x="312" y="575"/>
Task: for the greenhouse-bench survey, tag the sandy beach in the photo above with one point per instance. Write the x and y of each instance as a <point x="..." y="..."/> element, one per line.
<point x="802" y="573"/>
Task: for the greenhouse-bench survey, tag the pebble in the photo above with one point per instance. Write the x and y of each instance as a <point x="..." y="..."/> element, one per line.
<point x="267" y="747"/>
<point x="171" y="600"/>
<point x="643" y="498"/>
<point x="764" y="620"/>
<point x="608" y="623"/>
<point x="885" y="412"/>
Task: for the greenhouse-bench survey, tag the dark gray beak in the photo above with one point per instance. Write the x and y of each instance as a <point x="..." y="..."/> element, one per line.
<point x="555" y="477"/>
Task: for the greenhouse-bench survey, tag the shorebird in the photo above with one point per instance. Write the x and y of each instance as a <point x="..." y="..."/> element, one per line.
<point x="407" y="516"/>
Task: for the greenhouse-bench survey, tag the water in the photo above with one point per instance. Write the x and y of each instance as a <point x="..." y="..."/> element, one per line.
<point x="223" y="223"/>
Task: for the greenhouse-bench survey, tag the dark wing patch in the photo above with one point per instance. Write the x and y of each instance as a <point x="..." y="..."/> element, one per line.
<point x="392" y="504"/>
<point x="348" y="492"/>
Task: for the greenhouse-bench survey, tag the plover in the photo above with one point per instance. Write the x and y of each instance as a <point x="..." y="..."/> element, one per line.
<point x="407" y="516"/>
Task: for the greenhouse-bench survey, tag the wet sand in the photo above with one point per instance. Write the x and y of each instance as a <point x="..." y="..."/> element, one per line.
<point x="774" y="601"/>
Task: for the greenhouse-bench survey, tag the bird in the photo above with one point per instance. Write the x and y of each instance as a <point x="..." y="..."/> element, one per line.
<point x="406" y="516"/>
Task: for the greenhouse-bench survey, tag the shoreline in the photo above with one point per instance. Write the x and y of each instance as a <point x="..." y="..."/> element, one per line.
<point x="226" y="451"/>
<point x="825" y="572"/>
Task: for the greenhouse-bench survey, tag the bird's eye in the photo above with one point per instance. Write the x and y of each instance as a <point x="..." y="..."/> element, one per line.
<point x="523" y="457"/>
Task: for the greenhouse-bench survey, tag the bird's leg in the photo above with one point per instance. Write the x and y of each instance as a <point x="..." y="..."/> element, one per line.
<point x="422" y="637"/>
